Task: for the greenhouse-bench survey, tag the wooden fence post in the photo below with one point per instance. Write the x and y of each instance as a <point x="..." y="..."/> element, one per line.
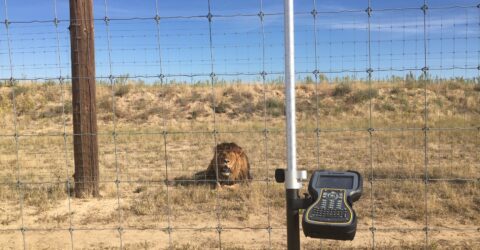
<point x="85" y="142"/>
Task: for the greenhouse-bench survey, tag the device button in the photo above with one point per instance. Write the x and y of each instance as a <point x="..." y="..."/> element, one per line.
<point x="332" y="195"/>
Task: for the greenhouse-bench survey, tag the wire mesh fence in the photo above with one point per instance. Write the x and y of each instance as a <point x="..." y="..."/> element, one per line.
<point x="388" y="89"/>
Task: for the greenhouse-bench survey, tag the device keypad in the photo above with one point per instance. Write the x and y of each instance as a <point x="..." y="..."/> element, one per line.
<point x="331" y="207"/>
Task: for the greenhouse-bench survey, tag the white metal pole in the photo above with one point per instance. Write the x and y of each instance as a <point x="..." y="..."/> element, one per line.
<point x="291" y="180"/>
<point x="292" y="184"/>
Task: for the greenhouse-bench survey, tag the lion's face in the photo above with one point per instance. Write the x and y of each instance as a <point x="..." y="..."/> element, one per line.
<point x="226" y="162"/>
<point x="230" y="163"/>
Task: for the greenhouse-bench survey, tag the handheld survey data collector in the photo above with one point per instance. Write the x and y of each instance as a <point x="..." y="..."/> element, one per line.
<point x="331" y="215"/>
<point x="328" y="206"/>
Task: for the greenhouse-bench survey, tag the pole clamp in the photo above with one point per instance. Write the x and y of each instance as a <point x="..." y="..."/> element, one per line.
<point x="292" y="180"/>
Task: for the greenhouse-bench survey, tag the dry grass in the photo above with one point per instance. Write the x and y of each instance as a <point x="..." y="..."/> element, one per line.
<point x="146" y="205"/>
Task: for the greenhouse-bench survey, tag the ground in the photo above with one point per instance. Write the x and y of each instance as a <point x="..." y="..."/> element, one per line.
<point x="141" y="212"/>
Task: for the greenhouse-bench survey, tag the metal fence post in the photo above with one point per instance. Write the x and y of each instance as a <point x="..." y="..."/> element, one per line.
<point x="292" y="185"/>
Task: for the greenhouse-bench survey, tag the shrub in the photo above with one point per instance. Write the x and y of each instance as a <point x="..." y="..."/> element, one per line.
<point x="20" y="89"/>
<point x="273" y="103"/>
<point x="453" y="85"/>
<point x="363" y="95"/>
<point x="395" y="91"/>
<point x="388" y="107"/>
<point x="51" y="93"/>
<point x="193" y="115"/>
<point x="221" y="107"/>
<point x="245" y="108"/>
<point x="24" y="104"/>
<point x="342" y="90"/>
<point x="476" y="87"/>
<point x="275" y="107"/>
<point x="148" y="202"/>
<point x="105" y="103"/>
<point x="5" y="102"/>
<point x="122" y="89"/>
<point x="68" y="107"/>
<point x="146" y="114"/>
<point x="241" y="96"/>
<point x="438" y="102"/>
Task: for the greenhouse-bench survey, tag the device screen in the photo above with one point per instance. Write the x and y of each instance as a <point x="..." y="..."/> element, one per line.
<point x="343" y="182"/>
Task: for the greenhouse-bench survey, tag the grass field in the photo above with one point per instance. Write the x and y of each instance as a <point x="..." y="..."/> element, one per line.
<point x="394" y="157"/>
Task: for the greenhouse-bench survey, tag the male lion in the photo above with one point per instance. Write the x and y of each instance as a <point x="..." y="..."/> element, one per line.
<point x="228" y="167"/>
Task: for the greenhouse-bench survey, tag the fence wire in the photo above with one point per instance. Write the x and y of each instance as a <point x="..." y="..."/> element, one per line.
<point x="389" y="89"/>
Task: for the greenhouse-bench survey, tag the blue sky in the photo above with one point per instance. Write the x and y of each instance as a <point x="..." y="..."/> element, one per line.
<point x="239" y="51"/>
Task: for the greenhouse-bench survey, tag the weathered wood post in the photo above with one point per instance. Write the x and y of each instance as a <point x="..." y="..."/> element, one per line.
<point x="85" y="142"/>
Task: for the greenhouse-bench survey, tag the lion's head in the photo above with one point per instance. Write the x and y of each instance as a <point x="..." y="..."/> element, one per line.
<point x="230" y="163"/>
